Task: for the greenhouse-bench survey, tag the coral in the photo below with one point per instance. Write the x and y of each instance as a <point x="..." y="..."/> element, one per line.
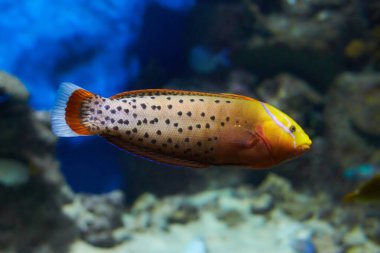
<point x="97" y="218"/>
<point x="32" y="190"/>
<point x="352" y="119"/>
<point x="225" y="219"/>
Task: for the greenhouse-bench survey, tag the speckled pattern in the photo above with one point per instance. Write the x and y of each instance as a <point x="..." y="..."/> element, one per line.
<point x="184" y="126"/>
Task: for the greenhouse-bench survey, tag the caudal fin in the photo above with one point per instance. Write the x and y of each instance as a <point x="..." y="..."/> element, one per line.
<point x="66" y="113"/>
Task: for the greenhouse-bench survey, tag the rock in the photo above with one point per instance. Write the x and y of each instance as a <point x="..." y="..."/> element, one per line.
<point x="13" y="173"/>
<point x="12" y="87"/>
<point x="353" y="125"/>
<point x="98" y="218"/>
<point x="355" y="237"/>
<point x="262" y="203"/>
<point x="144" y="203"/>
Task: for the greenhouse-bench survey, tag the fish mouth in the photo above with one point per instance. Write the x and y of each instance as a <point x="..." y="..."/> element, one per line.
<point x="303" y="148"/>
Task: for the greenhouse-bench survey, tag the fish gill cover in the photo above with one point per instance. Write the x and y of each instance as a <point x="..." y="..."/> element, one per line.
<point x="91" y="43"/>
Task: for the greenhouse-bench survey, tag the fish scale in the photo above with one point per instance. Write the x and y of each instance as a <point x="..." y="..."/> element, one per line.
<point x="182" y="126"/>
<point x="185" y="128"/>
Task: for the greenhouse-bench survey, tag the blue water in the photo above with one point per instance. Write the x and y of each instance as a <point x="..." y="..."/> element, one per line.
<point x="99" y="45"/>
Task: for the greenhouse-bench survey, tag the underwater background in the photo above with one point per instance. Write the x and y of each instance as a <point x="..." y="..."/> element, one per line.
<point x="316" y="60"/>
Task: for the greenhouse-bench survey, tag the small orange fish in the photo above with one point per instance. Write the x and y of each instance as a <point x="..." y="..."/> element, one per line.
<point x="185" y="128"/>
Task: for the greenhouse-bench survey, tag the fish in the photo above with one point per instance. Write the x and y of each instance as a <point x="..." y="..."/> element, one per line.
<point x="369" y="191"/>
<point x="182" y="128"/>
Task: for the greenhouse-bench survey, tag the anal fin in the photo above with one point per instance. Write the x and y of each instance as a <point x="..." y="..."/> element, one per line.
<point x="151" y="155"/>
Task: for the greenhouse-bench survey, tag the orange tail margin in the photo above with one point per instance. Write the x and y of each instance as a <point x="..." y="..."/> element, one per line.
<point x="67" y="113"/>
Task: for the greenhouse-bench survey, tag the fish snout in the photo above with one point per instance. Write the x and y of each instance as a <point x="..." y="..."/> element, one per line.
<point x="303" y="148"/>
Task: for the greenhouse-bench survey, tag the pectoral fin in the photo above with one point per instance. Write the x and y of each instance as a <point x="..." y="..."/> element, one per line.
<point x="242" y="138"/>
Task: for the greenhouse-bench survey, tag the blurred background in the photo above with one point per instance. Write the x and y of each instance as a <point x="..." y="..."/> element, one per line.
<point x="316" y="60"/>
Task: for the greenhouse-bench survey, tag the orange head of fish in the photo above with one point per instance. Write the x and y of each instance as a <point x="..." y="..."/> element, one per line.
<point x="284" y="139"/>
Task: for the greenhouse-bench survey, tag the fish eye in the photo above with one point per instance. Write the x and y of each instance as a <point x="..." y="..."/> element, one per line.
<point x="292" y="129"/>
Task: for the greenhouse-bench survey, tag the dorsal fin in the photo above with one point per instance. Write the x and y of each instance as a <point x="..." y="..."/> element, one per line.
<point x="236" y="96"/>
<point x="151" y="155"/>
<point x="153" y="92"/>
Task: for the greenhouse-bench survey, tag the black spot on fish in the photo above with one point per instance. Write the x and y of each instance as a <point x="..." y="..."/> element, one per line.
<point x="167" y="121"/>
<point x="119" y="108"/>
<point x="99" y="112"/>
<point x="139" y="122"/>
<point x="153" y="107"/>
<point x="176" y="146"/>
<point x="145" y="121"/>
<point x="126" y="111"/>
<point x="222" y="123"/>
<point x="120" y="121"/>
<point x="203" y="114"/>
<point x="175" y="124"/>
<point x="181" y="101"/>
<point x="128" y="132"/>
<point x="134" y="115"/>
<point x="168" y="98"/>
<point x="126" y="122"/>
<point x="199" y="143"/>
<point x="201" y="99"/>
<point x="134" y="106"/>
<point x="134" y="100"/>
<point x="107" y="118"/>
<point x="170" y="140"/>
<point x="159" y="107"/>
<point x="164" y="145"/>
<point x="153" y="141"/>
<point x="151" y="121"/>
<point x="134" y="130"/>
<point x="113" y="111"/>
<point x="103" y="99"/>
<point x="92" y="110"/>
<point x="158" y="132"/>
<point x="96" y="102"/>
<point x="190" y="128"/>
<point x="156" y="120"/>
<point x="227" y="119"/>
<point x="212" y="117"/>
<point x="107" y="107"/>
<point x="188" y="114"/>
<point x="180" y="130"/>
<point x="192" y="100"/>
<point x="228" y="101"/>
<point x="179" y="113"/>
<point x="198" y="125"/>
<point x="124" y="101"/>
<point x="112" y="120"/>
<point x="152" y="97"/>
<point x="170" y="106"/>
<point x="187" y="139"/>
<point x="207" y="125"/>
<point x="102" y="122"/>
<point x="115" y="128"/>
<point x="217" y="101"/>
<point x="146" y="135"/>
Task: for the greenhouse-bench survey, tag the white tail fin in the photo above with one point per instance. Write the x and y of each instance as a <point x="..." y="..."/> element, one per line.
<point x="60" y="115"/>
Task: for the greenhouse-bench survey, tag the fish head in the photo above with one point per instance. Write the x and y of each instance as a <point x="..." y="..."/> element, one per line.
<point x="283" y="137"/>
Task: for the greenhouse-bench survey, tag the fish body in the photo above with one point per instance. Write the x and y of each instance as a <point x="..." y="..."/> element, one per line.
<point x="185" y="128"/>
